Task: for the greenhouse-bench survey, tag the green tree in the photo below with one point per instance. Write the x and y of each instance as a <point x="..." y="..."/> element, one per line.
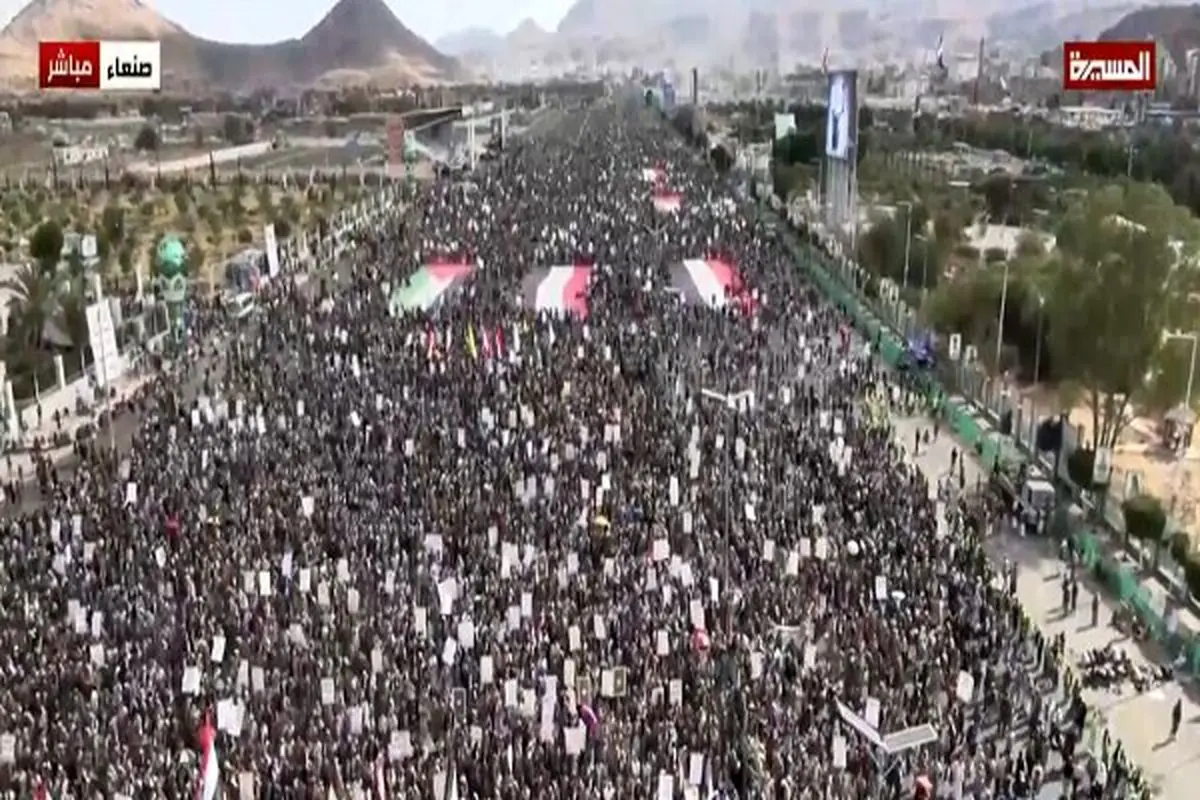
<point x="73" y="299"/>
<point x="883" y="249"/>
<point x="147" y="139"/>
<point x="33" y="302"/>
<point x="125" y="259"/>
<point x="1112" y="278"/>
<point x="46" y="244"/>
<point x="196" y="259"/>
<point x="237" y="129"/>
<point x="112" y="223"/>
<point x="1164" y="156"/>
<point x="786" y="179"/>
<point x="264" y="199"/>
<point x="1146" y="521"/>
<point x="76" y="269"/>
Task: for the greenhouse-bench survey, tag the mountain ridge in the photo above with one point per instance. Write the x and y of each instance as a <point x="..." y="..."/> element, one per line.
<point x="467" y="40"/>
<point x="758" y="27"/>
<point x="356" y="42"/>
<point x="1175" y="27"/>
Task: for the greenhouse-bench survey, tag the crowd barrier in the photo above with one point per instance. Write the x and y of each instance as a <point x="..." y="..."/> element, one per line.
<point x="969" y="424"/>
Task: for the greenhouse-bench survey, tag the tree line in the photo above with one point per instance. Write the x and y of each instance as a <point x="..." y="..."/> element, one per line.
<point x="1087" y="295"/>
<point x="354" y="100"/>
<point x="1163" y="155"/>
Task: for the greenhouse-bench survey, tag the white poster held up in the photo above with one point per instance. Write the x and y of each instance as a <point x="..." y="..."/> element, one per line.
<point x="271" y="245"/>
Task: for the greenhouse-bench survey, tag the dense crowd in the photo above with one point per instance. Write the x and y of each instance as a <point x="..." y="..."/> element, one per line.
<point x="493" y="552"/>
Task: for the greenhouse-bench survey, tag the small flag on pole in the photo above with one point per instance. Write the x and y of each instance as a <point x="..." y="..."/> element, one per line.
<point x="208" y="783"/>
<point x="380" y="779"/>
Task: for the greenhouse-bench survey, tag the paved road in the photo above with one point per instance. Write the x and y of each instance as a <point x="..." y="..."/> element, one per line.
<point x="211" y="364"/>
<point x="1140" y="721"/>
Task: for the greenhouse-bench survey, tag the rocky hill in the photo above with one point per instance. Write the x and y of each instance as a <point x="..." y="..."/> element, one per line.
<point x="357" y="42"/>
<point x="1175" y="27"/>
<point x="467" y="41"/>
<point x="799" y="30"/>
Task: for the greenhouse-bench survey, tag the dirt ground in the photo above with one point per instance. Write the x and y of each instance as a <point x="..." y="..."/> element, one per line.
<point x="1176" y="481"/>
<point x="22" y="150"/>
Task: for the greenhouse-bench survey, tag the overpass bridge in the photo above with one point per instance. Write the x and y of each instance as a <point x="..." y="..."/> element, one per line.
<point x="434" y="134"/>
<point x="435" y="130"/>
<point x="422" y="118"/>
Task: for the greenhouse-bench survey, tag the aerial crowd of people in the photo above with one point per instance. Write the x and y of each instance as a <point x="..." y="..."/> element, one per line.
<point x="639" y="541"/>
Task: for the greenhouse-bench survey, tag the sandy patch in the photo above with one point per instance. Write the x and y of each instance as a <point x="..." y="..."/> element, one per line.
<point x="1176" y="481"/>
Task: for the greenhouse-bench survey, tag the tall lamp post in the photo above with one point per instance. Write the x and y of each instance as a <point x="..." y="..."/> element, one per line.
<point x="1000" y="318"/>
<point x="1193" y="337"/>
<point x="1037" y="353"/>
<point x="907" y="240"/>
<point x="926" y="242"/>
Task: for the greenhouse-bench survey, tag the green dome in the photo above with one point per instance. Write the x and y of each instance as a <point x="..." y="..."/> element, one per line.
<point x="172" y="256"/>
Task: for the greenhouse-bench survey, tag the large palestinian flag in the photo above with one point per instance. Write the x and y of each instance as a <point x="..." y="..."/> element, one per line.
<point x="713" y="283"/>
<point x="560" y="289"/>
<point x="429" y="287"/>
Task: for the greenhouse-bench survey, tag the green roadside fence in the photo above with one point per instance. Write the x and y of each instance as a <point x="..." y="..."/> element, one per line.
<point x="1182" y="646"/>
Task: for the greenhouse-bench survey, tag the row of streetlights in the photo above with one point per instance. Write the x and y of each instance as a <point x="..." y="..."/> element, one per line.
<point x="908" y="238"/>
<point x="1193" y="337"/>
<point x="1037" y="353"/>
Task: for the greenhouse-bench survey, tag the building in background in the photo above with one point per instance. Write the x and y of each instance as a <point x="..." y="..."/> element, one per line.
<point x="75" y="154"/>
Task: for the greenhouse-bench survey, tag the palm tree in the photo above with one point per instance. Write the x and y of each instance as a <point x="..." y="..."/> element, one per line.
<point x="73" y="299"/>
<point x="33" y="302"/>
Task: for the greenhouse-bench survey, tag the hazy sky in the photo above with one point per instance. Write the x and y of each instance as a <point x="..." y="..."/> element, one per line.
<point x="271" y="20"/>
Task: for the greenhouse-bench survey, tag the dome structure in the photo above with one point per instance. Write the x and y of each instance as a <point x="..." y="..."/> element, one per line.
<point x="171" y="257"/>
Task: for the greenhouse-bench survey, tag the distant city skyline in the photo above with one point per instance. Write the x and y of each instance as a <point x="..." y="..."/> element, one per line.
<point x="264" y="22"/>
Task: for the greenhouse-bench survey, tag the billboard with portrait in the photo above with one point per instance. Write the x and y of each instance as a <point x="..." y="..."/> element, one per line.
<point x="841" y="119"/>
<point x="668" y="96"/>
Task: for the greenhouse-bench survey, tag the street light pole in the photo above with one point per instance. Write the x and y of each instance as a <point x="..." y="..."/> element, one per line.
<point x="1187" y="402"/>
<point x="1000" y="318"/>
<point x="1037" y="353"/>
<point x="924" y="267"/>
<point x="1194" y="338"/>
<point x="821" y="187"/>
<point x="907" y="242"/>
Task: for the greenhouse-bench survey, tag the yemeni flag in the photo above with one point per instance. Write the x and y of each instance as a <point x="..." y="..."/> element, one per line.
<point x="44" y="792"/>
<point x="711" y="282"/>
<point x="429" y="287"/>
<point x="557" y="289"/>
<point x="667" y="202"/>
<point x="208" y="782"/>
